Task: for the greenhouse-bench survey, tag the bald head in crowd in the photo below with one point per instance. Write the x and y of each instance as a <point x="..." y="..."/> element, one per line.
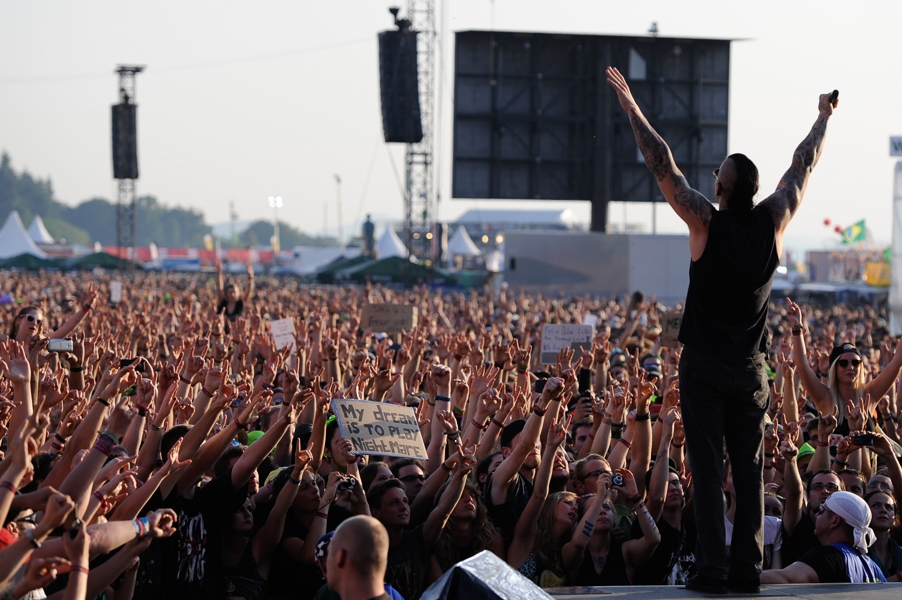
<point x="357" y="559"/>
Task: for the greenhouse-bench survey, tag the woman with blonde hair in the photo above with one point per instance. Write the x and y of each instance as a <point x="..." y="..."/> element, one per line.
<point x="845" y="378"/>
<point x="546" y="523"/>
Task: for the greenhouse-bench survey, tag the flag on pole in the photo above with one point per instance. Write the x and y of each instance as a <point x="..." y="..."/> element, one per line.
<point x="888" y="254"/>
<point x="854" y="233"/>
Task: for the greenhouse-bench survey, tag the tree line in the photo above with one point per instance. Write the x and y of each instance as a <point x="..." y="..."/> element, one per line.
<point x="94" y="220"/>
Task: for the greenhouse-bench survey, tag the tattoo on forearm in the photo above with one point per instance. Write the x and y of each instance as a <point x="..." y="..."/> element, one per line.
<point x="804" y="159"/>
<point x="653" y="148"/>
<point x="588" y="528"/>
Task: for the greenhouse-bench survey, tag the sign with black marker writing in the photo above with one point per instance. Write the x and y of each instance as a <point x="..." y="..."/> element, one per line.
<point x="670" y="328"/>
<point x="380" y="428"/>
<point x="556" y="337"/>
<point x="390" y="318"/>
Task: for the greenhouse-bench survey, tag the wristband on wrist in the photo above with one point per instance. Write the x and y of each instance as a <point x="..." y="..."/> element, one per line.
<point x="840" y="462"/>
<point x="675" y="445"/>
<point x="104" y="402"/>
<point x="617" y="425"/>
<point x="8" y="485"/>
<point x="156" y="427"/>
<point x="822" y="444"/>
<point x="453" y="435"/>
<point x="606" y="419"/>
<point x="796" y="331"/>
<point x="77" y="369"/>
<point x="538" y="411"/>
<point x="142" y="411"/>
<point x="497" y="423"/>
<point x="294" y="481"/>
<point x="439" y="398"/>
<point x="184" y="380"/>
<point x="625" y="442"/>
<point x="479" y="426"/>
<point x="458" y="411"/>
<point x="768" y="455"/>
<point x="645" y="417"/>
<point x="139" y="528"/>
<point x="522" y="369"/>
<point x="104" y="505"/>
<point x="591" y="436"/>
<point x="635" y="499"/>
<point x="322" y="515"/>
<point x="60" y="438"/>
<point x="430" y="403"/>
<point x="206" y="392"/>
<point x="79" y="569"/>
<point x="446" y="468"/>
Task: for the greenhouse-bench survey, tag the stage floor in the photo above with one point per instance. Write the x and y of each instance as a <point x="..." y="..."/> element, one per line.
<point x="888" y="591"/>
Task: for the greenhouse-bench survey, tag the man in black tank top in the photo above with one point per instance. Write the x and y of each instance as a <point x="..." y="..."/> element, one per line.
<point x="735" y="250"/>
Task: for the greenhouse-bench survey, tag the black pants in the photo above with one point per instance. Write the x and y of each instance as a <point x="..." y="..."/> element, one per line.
<point x="723" y="403"/>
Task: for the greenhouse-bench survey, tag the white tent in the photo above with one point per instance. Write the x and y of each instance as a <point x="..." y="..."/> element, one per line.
<point x="14" y="240"/>
<point x="460" y="244"/>
<point x="39" y="233"/>
<point x="390" y="245"/>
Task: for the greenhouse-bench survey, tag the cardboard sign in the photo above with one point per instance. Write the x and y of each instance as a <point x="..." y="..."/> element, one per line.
<point x="283" y="333"/>
<point x="115" y="292"/>
<point x="390" y="318"/>
<point x="380" y="428"/>
<point x="670" y="328"/>
<point x="555" y="337"/>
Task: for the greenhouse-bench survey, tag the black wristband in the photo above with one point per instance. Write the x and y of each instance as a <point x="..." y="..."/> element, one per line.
<point x="644" y="417"/>
<point x="77" y="369"/>
<point x="104" y="402"/>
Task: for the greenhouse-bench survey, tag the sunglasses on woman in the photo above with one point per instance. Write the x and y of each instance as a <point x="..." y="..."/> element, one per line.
<point x="842" y="362"/>
<point x="32" y="319"/>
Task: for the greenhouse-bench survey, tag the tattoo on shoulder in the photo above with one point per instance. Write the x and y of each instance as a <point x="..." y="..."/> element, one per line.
<point x="693" y="202"/>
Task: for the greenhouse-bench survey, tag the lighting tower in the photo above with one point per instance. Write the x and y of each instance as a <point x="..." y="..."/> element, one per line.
<point x="420" y="205"/>
<point x="125" y="141"/>
<point x="275" y="202"/>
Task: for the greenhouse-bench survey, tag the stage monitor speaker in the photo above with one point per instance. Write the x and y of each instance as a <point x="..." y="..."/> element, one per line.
<point x="125" y="141"/>
<point x="401" y="120"/>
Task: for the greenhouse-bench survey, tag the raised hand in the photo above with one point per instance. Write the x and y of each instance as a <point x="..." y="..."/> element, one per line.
<point x="618" y="82"/>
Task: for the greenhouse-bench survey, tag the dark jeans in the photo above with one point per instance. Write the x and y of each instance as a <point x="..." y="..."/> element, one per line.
<point x="723" y="403"/>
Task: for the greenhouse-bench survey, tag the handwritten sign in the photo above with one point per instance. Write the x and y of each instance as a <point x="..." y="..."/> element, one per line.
<point x="390" y="318"/>
<point x="115" y="292"/>
<point x="670" y="328"/>
<point x="380" y="428"/>
<point x="556" y="337"/>
<point x="283" y="333"/>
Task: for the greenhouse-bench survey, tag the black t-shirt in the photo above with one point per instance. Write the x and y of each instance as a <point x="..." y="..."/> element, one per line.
<point x="505" y="516"/>
<point x="613" y="572"/>
<point x="408" y="564"/>
<point x="799" y="541"/>
<point x="839" y="563"/>
<point x="673" y="561"/>
<point x="729" y="285"/>
<point x="190" y="559"/>
<point x="224" y="308"/>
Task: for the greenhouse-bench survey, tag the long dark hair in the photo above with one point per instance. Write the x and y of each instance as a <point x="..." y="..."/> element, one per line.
<point x="14" y="327"/>
<point x="745" y="187"/>
<point x="447" y="553"/>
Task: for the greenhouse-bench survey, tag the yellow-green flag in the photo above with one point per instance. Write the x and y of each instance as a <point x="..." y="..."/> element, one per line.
<point x="854" y="233"/>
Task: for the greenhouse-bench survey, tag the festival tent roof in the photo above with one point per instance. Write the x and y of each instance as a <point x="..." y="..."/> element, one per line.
<point x="519" y="218"/>
<point x="14" y="240"/>
<point x="39" y="233"/>
<point x="460" y="244"/>
<point x="390" y="245"/>
<point x="104" y="261"/>
<point x="29" y="262"/>
<point x="327" y="273"/>
<point x="393" y="270"/>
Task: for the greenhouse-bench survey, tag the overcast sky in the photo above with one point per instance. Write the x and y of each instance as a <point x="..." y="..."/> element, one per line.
<point x="243" y="100"/>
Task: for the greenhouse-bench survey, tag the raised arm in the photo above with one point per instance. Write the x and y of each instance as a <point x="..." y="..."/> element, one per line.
<point x="784" y="202"/>
<point x="691" y="206"/>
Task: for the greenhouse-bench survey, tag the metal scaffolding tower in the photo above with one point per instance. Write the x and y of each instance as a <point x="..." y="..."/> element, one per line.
<point x="125" y="199"/>
<point x="420" y="202"/>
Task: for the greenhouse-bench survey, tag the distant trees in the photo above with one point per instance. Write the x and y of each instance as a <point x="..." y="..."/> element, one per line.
<point x="94" y="220"/>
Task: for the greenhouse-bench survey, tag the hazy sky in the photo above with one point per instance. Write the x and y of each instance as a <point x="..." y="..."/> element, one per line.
<point x="243" y="100"/>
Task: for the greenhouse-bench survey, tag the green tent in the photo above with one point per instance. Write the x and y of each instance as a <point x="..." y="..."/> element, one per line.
<point x="104" y="261"/>
<point x="392" y="270"/>
<point x="29" y="262"/>
<point x="327" y="273"/>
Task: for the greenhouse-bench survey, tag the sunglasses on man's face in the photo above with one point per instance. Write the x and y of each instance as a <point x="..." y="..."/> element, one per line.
<point x="842" y="362"/>
<point x="31" y="319"/>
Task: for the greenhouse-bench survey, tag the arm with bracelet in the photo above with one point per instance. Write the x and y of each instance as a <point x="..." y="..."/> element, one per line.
<point x="496" y="424"/>
<point x="660" y="474"/>
<point x="573" y="553"/>
<point x="150" y="449"/>
<point x="637" y="551"/>
<point x="435" y="452"/>
<point x="792" y="482"/>
<point x="640" y="452"/>
<point x="623" y="446"/>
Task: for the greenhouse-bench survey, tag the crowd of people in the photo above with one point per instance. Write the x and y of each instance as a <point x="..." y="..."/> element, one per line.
<point x="167" y="448"/>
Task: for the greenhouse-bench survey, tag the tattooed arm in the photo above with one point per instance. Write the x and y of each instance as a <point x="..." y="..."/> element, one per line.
<point x="784" y="203"/>
<point x="691" y="206"/>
